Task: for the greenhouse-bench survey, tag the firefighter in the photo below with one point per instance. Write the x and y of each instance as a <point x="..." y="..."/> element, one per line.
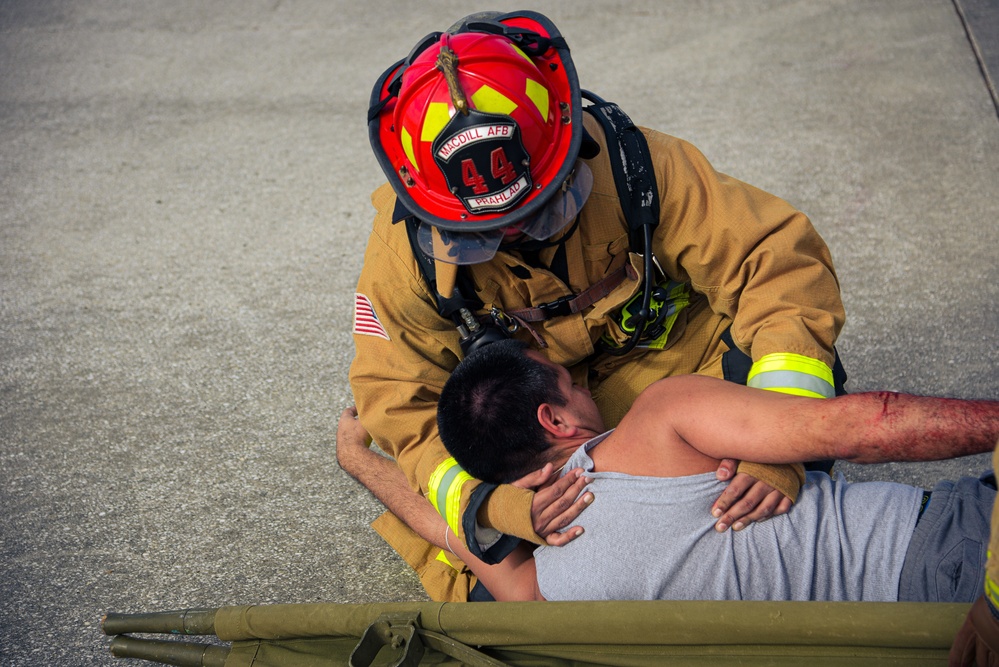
<point x="504" y="216"/>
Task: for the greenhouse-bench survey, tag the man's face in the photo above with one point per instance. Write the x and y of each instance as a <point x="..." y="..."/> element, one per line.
<point x="579" y="403"/>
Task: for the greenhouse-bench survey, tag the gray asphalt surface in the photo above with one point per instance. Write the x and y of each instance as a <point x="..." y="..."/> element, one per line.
<point x="183" y="208"/>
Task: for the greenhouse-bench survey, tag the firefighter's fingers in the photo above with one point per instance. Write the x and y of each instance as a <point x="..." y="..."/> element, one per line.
<point x="741" y="501"/>
<point x="784" y="506"/>
<point x="735" y="490"/>
<point x="559" y="504"/>
<point x="557" y="539"/>
<point x="726" y="469"/>
<point x="766" y="509"/>
<point x="533" y="480"/>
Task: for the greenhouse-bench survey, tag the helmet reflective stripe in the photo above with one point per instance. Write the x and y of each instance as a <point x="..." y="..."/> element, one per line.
<point x="444" y="491"/>
<point x="792" y="374"/>
<point x="437" y="116"/>
<point x="490" y="100"/>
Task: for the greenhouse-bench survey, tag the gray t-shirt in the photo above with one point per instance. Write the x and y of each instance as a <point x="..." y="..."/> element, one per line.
<point x="653" y="538"/>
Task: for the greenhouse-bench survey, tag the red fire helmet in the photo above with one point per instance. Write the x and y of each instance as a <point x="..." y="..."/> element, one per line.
<point x="479" y="128"/>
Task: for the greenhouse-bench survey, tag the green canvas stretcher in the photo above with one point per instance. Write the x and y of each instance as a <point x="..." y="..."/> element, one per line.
<point x="628" y="634"/>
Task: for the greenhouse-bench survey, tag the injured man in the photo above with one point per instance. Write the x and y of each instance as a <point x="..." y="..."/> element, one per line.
<point x="507" y="411"/>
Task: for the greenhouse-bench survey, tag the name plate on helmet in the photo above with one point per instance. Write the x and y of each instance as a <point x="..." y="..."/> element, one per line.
<point x="484" y="161"/>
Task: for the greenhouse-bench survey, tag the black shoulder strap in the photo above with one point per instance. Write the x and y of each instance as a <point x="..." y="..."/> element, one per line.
<point x="631" y="161"/>
<point x="425" y="263"/>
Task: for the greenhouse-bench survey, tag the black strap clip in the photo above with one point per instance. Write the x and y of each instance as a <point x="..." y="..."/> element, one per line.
<point x="557" y="308"/>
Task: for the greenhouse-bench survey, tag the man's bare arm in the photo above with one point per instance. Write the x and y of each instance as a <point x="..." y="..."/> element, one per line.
<point x="514" y="579"/>
<point x="888" y="426"/>
<point x="723" y="419"/>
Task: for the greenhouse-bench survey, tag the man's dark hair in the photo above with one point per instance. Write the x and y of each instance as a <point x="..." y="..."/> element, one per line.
<point x="488" y="412"/>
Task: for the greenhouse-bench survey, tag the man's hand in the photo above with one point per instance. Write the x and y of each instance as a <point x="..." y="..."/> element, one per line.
<point x="745" y="500"/>
<point x="558" y="504"/>
<point x="351" y="438"/>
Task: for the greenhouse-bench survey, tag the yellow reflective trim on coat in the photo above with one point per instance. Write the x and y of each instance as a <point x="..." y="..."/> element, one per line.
<point x="433" y="486"/>
<point x="992" y="591"/>
<point x="442" y="557"/>
<point x="444" y="491"/>
<point x="794" y="391"/>
<point x="792" y="374"/>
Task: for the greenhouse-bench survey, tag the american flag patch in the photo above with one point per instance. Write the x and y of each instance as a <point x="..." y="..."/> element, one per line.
<point x="365" y="320"/>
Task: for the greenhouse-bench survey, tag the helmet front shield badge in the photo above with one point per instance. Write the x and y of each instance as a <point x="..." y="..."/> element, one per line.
<point x="475" y="139"/>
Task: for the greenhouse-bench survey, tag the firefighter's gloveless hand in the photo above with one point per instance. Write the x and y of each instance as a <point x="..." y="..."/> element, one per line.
<point x="557" y="502"/>
<point x="746" y="500"/>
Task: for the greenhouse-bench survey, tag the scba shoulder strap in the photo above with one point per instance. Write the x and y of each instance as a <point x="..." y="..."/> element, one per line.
<point x="631" y="162"/>
<point x="638" y="193"/>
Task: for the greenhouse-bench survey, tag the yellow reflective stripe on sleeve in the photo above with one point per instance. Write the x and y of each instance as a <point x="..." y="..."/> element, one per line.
<point x="992" y="591"/>
<point x="792" y="374"/>
<point x="794" y="391"/>
<point x="444" y="492"/>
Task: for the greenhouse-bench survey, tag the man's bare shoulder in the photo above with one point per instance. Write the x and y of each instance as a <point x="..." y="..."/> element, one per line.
<point x="648" y="440"/>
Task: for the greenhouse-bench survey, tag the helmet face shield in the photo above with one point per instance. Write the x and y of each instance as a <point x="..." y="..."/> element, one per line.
<point x="478" y="247"/>
<point x="564" y="206"/>
<point x="458" y="247"/>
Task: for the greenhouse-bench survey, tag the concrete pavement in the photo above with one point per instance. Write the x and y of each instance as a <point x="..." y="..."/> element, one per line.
<point x="184" y="204"/>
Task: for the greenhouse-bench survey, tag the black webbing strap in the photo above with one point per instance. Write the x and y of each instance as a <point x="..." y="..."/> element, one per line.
<point x="569" y="305"/>
<point x="631" y="161"/>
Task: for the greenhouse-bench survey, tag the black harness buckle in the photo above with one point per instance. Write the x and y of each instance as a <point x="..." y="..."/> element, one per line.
<point x="557" y="308"/>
